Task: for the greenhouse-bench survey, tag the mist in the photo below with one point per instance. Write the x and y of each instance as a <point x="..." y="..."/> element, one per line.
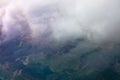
<point x="92" y="20"/>
<point x="77" y="35"/>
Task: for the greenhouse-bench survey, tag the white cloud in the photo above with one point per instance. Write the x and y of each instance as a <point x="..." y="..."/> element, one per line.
<point x="94" y="20"/>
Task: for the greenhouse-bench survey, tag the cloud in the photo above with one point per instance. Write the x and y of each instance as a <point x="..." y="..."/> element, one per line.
<point x="94" y="20"/>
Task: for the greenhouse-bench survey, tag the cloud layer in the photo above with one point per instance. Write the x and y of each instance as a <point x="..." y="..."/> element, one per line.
<point x="94" y="20"/>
